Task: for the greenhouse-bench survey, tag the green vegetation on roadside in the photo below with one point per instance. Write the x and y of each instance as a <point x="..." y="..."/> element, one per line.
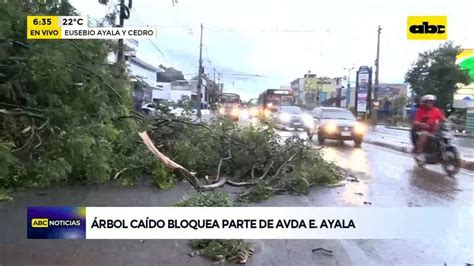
<point x="217" y="249"/>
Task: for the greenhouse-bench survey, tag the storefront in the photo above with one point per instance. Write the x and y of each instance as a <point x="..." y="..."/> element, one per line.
<point x="464" y="96"/>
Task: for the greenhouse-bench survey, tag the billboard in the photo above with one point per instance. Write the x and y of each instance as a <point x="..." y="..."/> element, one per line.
<point x="465" y="93"/>
<point x="363" y="79"/>
<point x="464" y="96"/>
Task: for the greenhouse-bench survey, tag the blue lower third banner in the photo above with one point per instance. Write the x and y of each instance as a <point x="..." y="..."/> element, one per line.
<point x="56" y="222"/>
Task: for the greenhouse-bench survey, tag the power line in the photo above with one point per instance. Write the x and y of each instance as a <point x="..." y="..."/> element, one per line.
<point x="151" y="41"/>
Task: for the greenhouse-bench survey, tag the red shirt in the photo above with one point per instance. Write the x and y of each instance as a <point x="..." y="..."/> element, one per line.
<point x="431" y="116"/>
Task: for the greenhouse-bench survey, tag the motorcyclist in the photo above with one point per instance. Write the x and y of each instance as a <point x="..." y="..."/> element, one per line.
<point x="427" y="119"/>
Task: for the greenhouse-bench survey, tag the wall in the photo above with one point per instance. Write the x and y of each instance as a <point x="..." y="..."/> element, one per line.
<point x="147" y="75"/>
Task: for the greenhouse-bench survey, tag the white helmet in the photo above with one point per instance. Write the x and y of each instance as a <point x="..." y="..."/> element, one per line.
<point x="428" y="97"/>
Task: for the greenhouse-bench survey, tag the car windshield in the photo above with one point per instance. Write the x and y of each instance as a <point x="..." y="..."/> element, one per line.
<point x="291" y="110"/>
<point x="338" y="114"/>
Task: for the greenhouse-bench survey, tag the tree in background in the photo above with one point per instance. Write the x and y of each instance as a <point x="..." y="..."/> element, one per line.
<point x="399" y="104"/>
<point x="62" y="106"/>
<point x="435" y="72"/>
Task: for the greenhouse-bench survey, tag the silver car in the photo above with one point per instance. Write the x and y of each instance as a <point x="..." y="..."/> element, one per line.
<point x="337" y="124"/>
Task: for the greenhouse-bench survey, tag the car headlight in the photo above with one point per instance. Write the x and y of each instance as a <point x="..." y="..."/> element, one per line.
<point x="235" y="111"/>
<point x="308" y="121"/>
<point x="267" y="113"/>
<point x="359" y="128"/>
<point x="330" y="128"/>
<point x="285" y="117"/>
<point x="270" y="105"/>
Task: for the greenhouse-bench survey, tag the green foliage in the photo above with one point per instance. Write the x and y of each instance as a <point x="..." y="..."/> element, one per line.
<point x="216" y="250"/>
<point x="249" y="154"/>
<point x="69" y="100"/>
<point x="222" y="250"/>
<point x="209" y="199"/>
<point x="258" y="193"/>
<point x="4" y="195"/>
<point x="435" y="72"/>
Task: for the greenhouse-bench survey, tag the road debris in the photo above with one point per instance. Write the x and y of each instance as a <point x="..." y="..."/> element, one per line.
<point x="352" y="179"/>
<point x="323" y="251"/>
<point x="360" y="194"/>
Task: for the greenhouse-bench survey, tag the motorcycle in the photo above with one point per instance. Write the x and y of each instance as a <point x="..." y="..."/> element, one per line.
<point x="440" y="150"/>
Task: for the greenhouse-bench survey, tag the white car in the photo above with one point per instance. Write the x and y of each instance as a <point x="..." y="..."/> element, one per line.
<point x="149" y="109"/>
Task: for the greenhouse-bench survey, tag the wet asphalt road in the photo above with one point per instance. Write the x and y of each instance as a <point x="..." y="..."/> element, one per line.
<point x="386" y="179"/>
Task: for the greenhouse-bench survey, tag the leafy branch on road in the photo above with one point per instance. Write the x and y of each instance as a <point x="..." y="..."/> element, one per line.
<point x="212" y="155"/>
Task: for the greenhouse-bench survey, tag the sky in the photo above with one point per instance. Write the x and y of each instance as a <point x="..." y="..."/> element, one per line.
<point x="277" y="41"/>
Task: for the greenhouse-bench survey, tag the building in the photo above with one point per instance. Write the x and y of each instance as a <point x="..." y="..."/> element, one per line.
<point x="297" y="86"/>
<point x="327" y="87"/>
<point x="172" y="91"/>
<point x="151" y="83"/>
<point x="175" y="90"/>
<point x="143" y="76"/>
<point x="391" y="91"/>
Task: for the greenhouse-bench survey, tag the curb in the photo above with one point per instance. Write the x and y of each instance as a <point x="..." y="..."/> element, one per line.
<point x="469" y="165"/>
<point x="398" y="128"/>
<point x="461" y="135"/>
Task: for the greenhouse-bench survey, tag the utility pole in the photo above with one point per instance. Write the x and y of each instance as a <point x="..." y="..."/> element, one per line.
<point x="120" y="57"/>
<point x="376" y="85"/>
<point x="339" y="94"/>
<point x="356" y="93"/>
<point x="369" y="109"/>
<point x="200" y="76"/>
<point x="221" y="89"/>
<point x="214" y="76"/>
<point x="374" y="104"/>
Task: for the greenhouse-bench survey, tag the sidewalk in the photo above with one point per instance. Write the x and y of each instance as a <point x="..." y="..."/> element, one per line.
<point x="461" y="135"/>
<point x="403" y="144"/>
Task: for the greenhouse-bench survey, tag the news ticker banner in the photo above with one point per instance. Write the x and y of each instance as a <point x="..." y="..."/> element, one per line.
<point x="246" y="223"/>
<point x="77" y="27"/>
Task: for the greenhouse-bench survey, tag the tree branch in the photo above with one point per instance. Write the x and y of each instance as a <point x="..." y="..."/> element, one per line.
<point x="240" y="184"/>
<point x="100" y="78"/>
<point x="220" y="164"/>
<point x="284" y="164"/>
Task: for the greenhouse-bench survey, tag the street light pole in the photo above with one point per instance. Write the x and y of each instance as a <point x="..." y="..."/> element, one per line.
<point x="348" y="91"/>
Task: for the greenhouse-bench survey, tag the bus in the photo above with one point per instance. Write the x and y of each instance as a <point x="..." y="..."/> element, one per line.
<point x="271" y="99"/>
<point x="229" y="106"/>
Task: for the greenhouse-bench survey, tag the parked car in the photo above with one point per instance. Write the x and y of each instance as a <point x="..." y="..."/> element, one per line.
<point x="149" y="109"/>
<point x="292" y="117"/>
<point x="337" y="124"/>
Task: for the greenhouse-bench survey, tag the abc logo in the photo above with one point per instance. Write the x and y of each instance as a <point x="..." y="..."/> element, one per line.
<point x="39" y="223"/>
<point x="427" y="28"/>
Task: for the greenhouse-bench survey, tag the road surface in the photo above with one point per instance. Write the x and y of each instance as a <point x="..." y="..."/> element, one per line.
<point x="387" y="179"/>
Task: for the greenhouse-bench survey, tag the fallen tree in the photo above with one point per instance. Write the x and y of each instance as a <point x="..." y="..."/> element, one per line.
<point x="219" y="153"/>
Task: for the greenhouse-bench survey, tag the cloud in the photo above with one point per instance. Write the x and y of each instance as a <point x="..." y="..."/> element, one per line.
<point x="283" y="39"/>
